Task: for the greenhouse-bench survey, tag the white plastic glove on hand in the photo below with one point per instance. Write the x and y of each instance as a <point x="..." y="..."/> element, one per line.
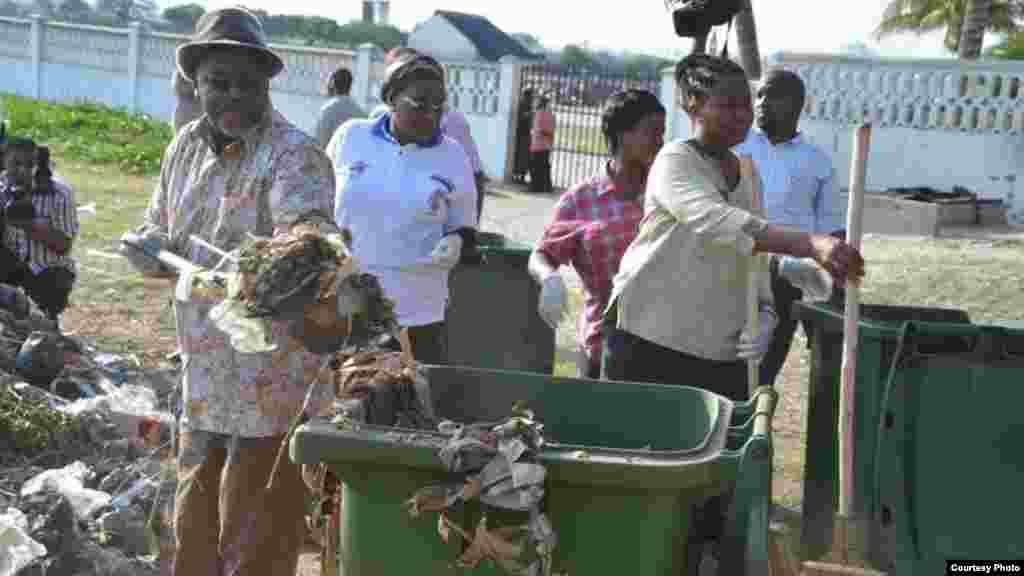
<point x="446" y="253"/>
<point x="552" y="302"/>
<point x="140" y="250"/>
<point x="754" y="348"/>
<point x="808" y="276"/>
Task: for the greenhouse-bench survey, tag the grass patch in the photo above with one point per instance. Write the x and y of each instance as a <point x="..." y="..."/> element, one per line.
<point x="90" y="132"/>
<point x="585" y="138"/>
<point x="113" y="306"/>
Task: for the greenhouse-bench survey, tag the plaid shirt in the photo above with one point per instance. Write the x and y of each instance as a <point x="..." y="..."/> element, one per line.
<point x="58" y="209"/>
<point x="591" y="228"/>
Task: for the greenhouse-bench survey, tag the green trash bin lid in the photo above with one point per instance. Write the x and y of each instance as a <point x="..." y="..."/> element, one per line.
<point x="493" y="244"/>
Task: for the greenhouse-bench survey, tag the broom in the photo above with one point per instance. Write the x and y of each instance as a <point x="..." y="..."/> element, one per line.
<point x="848" y="531"/>
<point x="753" y="280"/>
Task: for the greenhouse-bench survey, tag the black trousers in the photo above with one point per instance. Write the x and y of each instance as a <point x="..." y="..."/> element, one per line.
<point x="785" y="294"/>
<point x="630" y="358"/>
<point x="540" y="172"/>
<point x="49" y="289"/>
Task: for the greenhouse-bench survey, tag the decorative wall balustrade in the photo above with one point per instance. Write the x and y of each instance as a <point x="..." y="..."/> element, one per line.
<point x="928" y="94"/>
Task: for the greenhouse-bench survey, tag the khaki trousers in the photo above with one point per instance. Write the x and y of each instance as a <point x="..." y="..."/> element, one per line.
<point x="225" y="521"/>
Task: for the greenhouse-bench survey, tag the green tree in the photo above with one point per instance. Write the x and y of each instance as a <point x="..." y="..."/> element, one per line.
<point x="1011" y="48"/>
<point x="358" y="32"/>
<point x="576" y="57"/>
<point x="923" y="16"/>
<point x="977" y="17"/>
<point x="183" y="17"/>
<point x="529" y="41"/>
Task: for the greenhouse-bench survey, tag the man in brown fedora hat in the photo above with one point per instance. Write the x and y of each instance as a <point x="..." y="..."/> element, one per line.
<point x="240" y="168"/>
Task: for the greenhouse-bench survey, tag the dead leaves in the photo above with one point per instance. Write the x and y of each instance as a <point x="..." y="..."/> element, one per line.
<point x="513" y="548"/>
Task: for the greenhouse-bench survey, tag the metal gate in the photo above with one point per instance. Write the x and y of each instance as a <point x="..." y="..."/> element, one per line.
<point x="577" y="97"/>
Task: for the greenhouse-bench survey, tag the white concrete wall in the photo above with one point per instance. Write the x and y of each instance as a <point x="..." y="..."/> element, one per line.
<point x="131" y="68"/>
<point x="936" y="123"/>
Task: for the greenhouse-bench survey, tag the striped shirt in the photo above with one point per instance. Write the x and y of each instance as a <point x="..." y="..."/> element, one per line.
<point x="58" y="209"/>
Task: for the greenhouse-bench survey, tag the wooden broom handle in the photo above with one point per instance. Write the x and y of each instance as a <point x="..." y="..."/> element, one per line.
<point x="848" y="378"/>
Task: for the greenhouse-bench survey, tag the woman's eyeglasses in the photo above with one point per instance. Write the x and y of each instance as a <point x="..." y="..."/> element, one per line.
<point x="435" y="106"/>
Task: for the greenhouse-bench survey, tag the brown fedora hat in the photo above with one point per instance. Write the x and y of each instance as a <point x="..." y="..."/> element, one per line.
<point x="227" y="27"/>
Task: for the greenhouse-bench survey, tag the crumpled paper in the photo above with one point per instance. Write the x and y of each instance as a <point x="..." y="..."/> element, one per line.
<point x="17" y="548"/>
<point x="499" y="471"/>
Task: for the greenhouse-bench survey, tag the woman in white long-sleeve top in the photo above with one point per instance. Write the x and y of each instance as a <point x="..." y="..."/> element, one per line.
<point x="678" y="305"/>
<point x="406" y="193"/>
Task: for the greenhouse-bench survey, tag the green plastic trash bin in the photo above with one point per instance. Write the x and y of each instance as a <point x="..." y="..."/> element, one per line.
<point x="649" y="454"/>
<point x="949" y="464"/>
<point x="911" y="360"/>
<point x="492" y="319"/>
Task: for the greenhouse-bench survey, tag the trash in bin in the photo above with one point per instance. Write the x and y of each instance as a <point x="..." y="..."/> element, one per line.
<point x="497" y="465"/>
<point x="655" y="454"/>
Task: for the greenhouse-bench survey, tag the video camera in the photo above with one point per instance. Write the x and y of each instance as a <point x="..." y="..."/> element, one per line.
<point x="695" y="18"/>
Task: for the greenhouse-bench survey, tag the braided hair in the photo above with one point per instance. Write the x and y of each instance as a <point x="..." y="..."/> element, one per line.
<point x="623" y="110"/>
<point x="697" y="74"/>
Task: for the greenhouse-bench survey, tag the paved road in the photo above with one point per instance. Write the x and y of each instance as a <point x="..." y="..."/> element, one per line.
<point x="520" y="216"/>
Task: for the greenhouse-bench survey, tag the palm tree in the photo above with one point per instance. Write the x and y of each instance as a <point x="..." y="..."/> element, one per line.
<point x="977" y="16"/>
<point x="746" y="38"/>
<point x="923" y="16"/>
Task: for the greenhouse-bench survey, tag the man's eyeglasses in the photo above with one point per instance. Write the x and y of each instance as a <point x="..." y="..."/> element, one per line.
<point x="245" y="85"/>
<point x="436" y="106"/>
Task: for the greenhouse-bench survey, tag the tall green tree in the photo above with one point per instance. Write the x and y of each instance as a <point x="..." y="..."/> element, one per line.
<point x="1011" y="47"/>
<point x="183" y="17"/>
<point x="977" y="16"/>
<point x="924" y="16"/>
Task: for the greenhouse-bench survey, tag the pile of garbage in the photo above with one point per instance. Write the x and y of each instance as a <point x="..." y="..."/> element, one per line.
<point x="86" y="456"/>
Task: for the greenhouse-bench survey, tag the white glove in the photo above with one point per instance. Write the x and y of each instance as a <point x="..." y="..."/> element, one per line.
<point x="808" y="276"/>
<point x="141" y="249"/>
<point x="754" y="348"/>
<point x="552" y="304"/>
<point x="446" y="253"/>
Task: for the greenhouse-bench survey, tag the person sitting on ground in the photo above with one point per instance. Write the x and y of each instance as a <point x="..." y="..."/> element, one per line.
<point x="339" y="109"/>
<point x="597" y="219"/>
<point x="40" y="223"/>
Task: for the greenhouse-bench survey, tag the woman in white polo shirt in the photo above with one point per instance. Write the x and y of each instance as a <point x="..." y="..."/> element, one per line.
<point x="406" y="193"/>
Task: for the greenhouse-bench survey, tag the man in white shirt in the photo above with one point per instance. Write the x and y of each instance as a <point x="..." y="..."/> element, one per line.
<point x="799" y="187"/>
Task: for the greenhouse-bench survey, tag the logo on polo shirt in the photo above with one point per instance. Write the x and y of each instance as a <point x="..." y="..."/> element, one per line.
<point x="440" y="198"/>
<point x="357" y="168"/>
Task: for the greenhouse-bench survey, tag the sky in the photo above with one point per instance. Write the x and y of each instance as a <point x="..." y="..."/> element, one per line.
<point x="639" y="25"/>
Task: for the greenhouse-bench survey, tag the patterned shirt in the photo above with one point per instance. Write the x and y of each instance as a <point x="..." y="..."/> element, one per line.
<point x="58" y="209"/>
<point x="272" y="177"/>
<point x="591" y="229"/>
